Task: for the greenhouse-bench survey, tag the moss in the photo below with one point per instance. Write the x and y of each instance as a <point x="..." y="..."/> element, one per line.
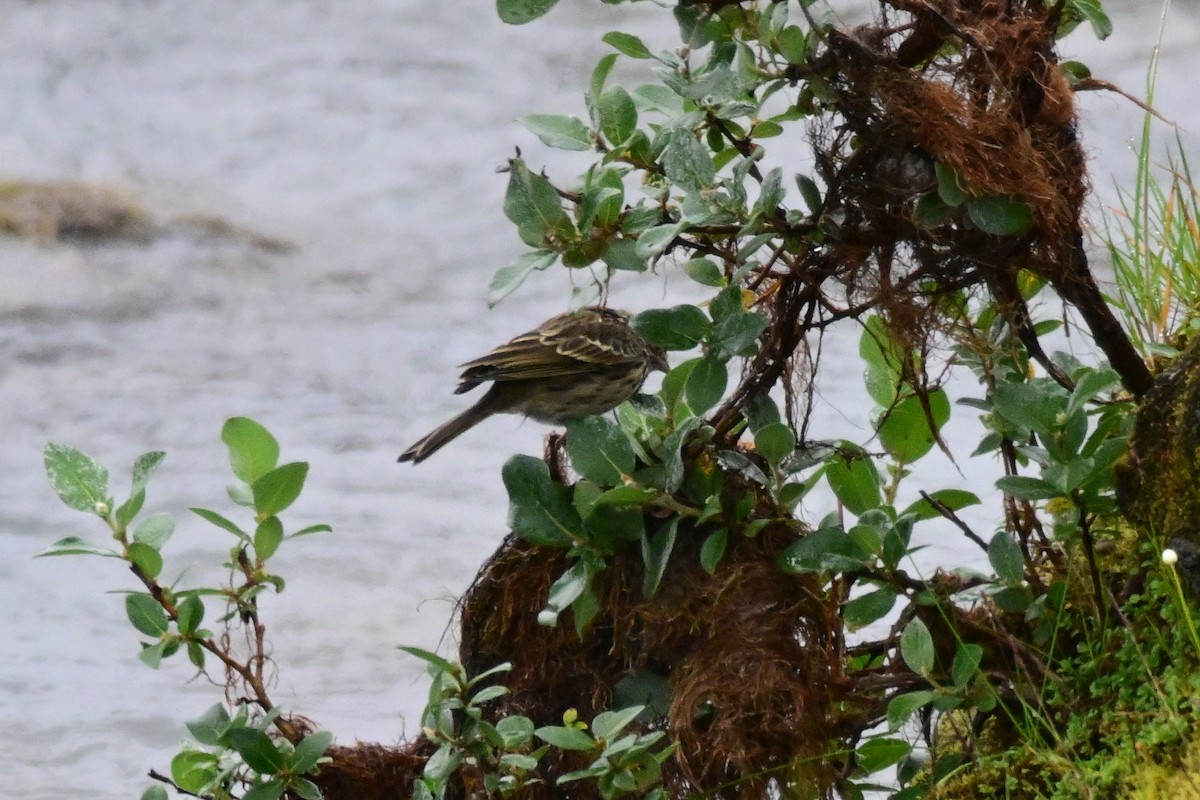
<point x="1157" y="479"/>
<point x="1178" y="779"/>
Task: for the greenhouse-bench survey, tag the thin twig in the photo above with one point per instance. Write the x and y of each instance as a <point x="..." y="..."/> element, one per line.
<point x="949" y="514"/>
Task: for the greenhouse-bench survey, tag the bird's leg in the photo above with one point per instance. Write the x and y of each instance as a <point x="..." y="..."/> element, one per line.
<point x="555" y="456"/>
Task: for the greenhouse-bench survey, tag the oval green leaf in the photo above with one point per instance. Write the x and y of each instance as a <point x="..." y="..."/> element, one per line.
<point x="253" y="451"/>
<point x="279" y="488"/>
<point x="146" y="614"/>
<point x="79" y="480"/>
<point x="519" y="12"/>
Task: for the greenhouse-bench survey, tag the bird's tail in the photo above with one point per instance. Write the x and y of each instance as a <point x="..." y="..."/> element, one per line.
<point x="440" y="436"/>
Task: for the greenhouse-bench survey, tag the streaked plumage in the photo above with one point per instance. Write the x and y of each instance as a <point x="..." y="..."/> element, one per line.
<point x="573" y="365"/>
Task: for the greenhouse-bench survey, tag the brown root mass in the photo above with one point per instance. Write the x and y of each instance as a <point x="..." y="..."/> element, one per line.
<point x="745" y="652"/>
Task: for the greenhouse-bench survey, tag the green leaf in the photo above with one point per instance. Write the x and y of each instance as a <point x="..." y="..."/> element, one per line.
<point x="761" y="412"/>
<point x="155" y="529"/>
<point x="507" y="279"/>
<point x="1035" y="406"/>
<point x="792" y="44"/>
<point x="625" y="495"/>
<point x="310" y="749"/>
<point x="706" y="384"/>
<point x="155" y="793"/>
<point x="565" y="738"/>
<point x="949" y="186"/>
<point x="601" y="204"/>
<point x="931" y="211"/>
<point x="532" y="204"/>
<point x="240" y="494"/>
<point x="598" y="78"/>
<point x="713" y="549"/>
<point x="728" y="304"/>
<point x="853" y="478"/>
<point x="810" y="192"/>
<point x="318" y="528"/>
<point x="967" y="658"/>
<point x="519" y="12"/>
<point x="654" y="241"/>
<point x="738" y="335"/>
<point x="279" y="488"/>
<point x="1005" y="556"/>
<point x="304" y="789"/>
<point x="488" y="694"/>
<point x="257" y="750"/>
<point x="564" y="591"/>
<point x="904" y="706"/>
<point x="599" y="450"/>
<point x="705" y="272"/>
<point x="904" y="431"/>
<point x="771" y="193"/>
<point x="1013" y="599"/>
<point x="268" y="790"/>
<point x="145" y="558"/>
<point x="884" y="360"/>
<point x="618" y="115"/>
<point x="1089" y="384"/>
<point x="516" y="731"/>
<point x="678" y="328"/>
<point x="916" y="647"/>
<point x="1000" y="216"/>
<point x="130" y="508"/>
<point x="1093" y="13"/>
<point x="191" y="614"/>
<point x="267" y="537"/>
<point x="870" y="607"/>
<point x="253" y="451"/>
<point x="656" y="553"/>
<point x="80" y="481"/>
<point x="953" y="499"/>
<point x="622" y="253"/>
<point x="146" y="614"/>
<point x="626" y="43"/>
<point x="823" y="550"/>
<point x="152" y="654"/>
<point x="688" y="163"/>
<point x="775" y="442"/>
<point x="671" y="453"/>
<point x="219" y="521"/>
<point x="870" y="536"/>
<point x="1026" y="488"/>
<point x="210" y="726"/>
<point x="608" y="724"/>
<point x="558" y="130"/>
<point x="877" y="754"/>
<point x="540" y="510"/>
<point x="1074" y="71"/>
<point x="76" y="546"/>
<point x="895" y="543"/>
<point x="194" y="770"/>
<point x="429" y="657"/>
<point x="143" y="467"/>
<point x="195" y="655"/>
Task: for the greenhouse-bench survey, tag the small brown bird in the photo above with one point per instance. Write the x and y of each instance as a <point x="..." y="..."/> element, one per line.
<point x="574" y="365"/>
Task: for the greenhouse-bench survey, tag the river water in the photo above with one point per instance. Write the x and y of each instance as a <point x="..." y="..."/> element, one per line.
<point x="366" y="135"/>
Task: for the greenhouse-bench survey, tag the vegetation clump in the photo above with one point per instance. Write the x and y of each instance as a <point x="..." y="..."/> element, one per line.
<point x="672" y="615"/>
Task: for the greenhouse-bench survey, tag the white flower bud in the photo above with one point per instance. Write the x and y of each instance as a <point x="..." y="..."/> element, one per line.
<point x="101" y="508"/>
<point x="1170" y="557"/>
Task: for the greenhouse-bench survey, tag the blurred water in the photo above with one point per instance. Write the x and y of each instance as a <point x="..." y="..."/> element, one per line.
<point x="366" y="134"/>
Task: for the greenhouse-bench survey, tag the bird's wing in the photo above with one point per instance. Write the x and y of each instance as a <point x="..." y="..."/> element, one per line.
<point x="551" y="352"/>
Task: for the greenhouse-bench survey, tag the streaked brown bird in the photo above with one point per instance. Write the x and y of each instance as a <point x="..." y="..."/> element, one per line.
<point x="574" y="365"/>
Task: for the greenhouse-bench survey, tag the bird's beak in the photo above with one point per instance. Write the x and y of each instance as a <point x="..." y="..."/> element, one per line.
<point x="658" y="360"/>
